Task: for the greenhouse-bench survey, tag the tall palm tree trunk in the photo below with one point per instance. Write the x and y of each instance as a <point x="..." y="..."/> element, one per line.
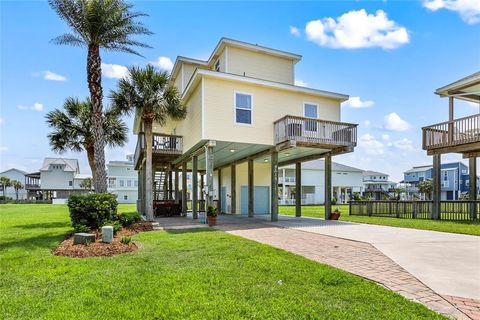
<point x="94" y="75"/>
<point x="148" y="170"/>
<point x="89" y="148"/>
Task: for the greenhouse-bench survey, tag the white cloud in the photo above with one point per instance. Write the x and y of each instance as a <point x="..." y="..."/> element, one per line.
<point x="385" y="137"/>
<point x="52" y="76"/>
<point x="3" y="149"/>
<point x="367" y="123"/>
<point x="371" y="146"/>
<point x="357" y="29"/>
<point x="163" y="63"/>
<point x="404" y="144"/>
<point x="395" y="123"/>
<point x="114" y="71"/>
<point x="357" y="103"/>
<point x="36" y="107"/>
<point x="294" y="31"/>
<point x="300" y="83"/>
<point x="469" y="10"/>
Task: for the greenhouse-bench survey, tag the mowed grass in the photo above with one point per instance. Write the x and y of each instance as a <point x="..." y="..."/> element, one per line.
<point x="196" y="274"/>
<point x="463" y="227"/>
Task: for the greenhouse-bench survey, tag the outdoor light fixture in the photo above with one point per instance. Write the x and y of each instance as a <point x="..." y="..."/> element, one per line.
<point x="266" y="160"/>
<point x="232" y="150"/>
<point x="287" y="154"/>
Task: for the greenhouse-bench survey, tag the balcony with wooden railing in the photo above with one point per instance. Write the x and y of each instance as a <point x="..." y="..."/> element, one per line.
<point x="315" y="132"/>
<point x="463" y="134"/>
<point x="168" y="146"/>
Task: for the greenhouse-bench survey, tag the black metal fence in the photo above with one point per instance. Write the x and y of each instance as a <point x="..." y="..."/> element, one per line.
<point x="461" y="210"/>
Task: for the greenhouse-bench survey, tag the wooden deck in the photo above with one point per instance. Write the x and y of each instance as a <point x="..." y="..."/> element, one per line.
<point x="166" y="147"/>
<point x="460" y="135"/>
<point x="315" y="132"/>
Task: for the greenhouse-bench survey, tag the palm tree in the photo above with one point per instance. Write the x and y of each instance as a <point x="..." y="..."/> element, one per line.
<point x="5" y="182"/>
<point x="72" y="129"/>
<point x="151" y="96"/>
<point x="17" y="185"/>
<point x="95" y="24"/>
<point x="86" y="184"/>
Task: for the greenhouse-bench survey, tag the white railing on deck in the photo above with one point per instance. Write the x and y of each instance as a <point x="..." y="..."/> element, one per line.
<point x="315" y="131"/>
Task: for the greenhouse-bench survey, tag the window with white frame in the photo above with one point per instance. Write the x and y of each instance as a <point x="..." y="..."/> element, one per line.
<point x="135" y="183"/>
<point x="129" y="183"/>
<point x="243" y="108"/>
<point x="112" y="182"/>
<point x="125" y="197"/>
<point x="121" y="182"/>
<point x="310" y="110"/>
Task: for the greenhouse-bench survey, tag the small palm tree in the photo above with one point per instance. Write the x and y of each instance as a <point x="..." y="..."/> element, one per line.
<point x="95" y="24"/>
<point x="17" y="185"/>
<point x="86" y="184"/>
<point x="72" y="129"/>
<point x="5" y="182"/>
<point x="151" y="96"/>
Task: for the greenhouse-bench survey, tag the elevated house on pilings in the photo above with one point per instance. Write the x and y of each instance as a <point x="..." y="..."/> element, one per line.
<point x="246" y="117"/>
<point x="455" y="136"/>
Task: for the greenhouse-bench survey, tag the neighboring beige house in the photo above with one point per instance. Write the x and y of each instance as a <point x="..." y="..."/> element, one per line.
<point x="246" y="117"/>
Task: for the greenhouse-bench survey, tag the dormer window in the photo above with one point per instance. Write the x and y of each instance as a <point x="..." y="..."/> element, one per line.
<point x="217" y="66"/>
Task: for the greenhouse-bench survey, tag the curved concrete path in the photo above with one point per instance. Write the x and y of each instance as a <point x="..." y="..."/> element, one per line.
<point x="448" y="263"/>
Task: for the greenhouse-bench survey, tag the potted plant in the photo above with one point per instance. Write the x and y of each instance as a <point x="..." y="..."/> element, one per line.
<point x="212" y="213"/>
<point x="335" y="214"/>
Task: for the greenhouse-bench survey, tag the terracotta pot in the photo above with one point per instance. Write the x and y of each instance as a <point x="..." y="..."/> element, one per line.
<point x="334" y="216"/>
<point x="212" y="221"/>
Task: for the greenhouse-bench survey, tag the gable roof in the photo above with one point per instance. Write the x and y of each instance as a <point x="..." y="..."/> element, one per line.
<point x="14" y="169"/>
<point x="320" y="165"/>
<point x="70" y="164"/>
<point x="373" y="173"/>
<point x="467" y="88"/>
<point x="233" y="43"/>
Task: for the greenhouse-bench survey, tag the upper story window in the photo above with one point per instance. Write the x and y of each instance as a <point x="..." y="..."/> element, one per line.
<point x="122" y="183"/>
<point x="310" y="110"/>
<point x="129" y="183"/>
<point x="243" y="108"/>
<point x="70" y="183"/>
<point x="217" y="66"/>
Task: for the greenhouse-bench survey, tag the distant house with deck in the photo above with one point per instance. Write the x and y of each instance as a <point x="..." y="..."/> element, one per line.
<point x="123" y="180"/>
<point x="18" y="175"/>
<point x="376" y="185"/>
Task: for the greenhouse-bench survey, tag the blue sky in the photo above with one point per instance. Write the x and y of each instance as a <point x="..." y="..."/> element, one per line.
<point x="412" y="48"/>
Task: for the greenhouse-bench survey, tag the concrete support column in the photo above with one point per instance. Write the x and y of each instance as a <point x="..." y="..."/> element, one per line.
<point x="284" y="190"/>
<point x="184" y="188"/>
<point x="274" y="187"/>
<point x="219" y="190"/>
<point x="339" y="194"/>
<point x="195" y="187"/>
<point x="472" y="192"/>
<point x="436" y="185"/>
<point x="209" y="169"/>
<point x="202" y="186"/>
<point x="233" y="187"/>
<point x="328" y="186"/>
<point x="170" y="183"/>
<point x="176" y="186"/>
<point x="250" y="188"/>
<point x="298" y="189"/>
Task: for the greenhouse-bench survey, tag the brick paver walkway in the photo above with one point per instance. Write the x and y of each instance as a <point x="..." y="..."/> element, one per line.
<point x="356" y="257"/>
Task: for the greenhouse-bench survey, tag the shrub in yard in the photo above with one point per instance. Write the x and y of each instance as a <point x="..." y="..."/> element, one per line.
<point x="126" y="240"/>
<point x="128" y="218"/>
<point x="80" y="228"/>
<point x="92" y="209"/>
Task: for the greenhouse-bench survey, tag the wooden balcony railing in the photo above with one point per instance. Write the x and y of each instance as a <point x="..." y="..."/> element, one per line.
<point x="315" y="131"/>
<point x="161" y="144"/>
<point x="452" y="133"/>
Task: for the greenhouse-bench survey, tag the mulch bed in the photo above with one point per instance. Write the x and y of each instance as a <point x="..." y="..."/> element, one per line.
<point x="100" y="249"/>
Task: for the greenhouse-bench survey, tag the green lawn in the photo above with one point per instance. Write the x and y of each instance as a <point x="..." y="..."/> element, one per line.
<point x="199" y="274"/>
<point x="464" y="227"/>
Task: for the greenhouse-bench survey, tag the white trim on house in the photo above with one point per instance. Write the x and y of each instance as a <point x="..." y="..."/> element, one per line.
<point x="226" y="59"/>
<point x="228" y="76"/>
<point x="235" y="92"/>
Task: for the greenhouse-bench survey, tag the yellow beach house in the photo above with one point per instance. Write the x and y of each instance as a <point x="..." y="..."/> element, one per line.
<point x="246" y="117"/>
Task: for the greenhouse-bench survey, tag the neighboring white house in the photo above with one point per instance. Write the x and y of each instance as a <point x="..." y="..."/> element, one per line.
<point x="377" y="184"/>
<point x="14" y="174"/>
<point x="60" y="177"/>
<point x="123" y="180"/>
<point x="345" y="181"/>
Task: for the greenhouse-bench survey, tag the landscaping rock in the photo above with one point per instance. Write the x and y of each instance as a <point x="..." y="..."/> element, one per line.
<point x="107" y="234"/>
<point x="83" y="238"/>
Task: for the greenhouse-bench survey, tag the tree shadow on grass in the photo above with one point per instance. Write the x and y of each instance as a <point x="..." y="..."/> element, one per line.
<point x="43" y="225"/>
<point x="32" y="243"/>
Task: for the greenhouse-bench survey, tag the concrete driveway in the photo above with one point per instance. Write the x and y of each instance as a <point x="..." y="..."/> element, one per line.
<point x="446" y="262"/>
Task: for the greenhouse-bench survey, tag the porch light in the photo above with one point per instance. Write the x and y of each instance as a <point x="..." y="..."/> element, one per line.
<point x="232" y="150"/>
<point x="265" y="160"/>
<point x="287" y="154"/>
